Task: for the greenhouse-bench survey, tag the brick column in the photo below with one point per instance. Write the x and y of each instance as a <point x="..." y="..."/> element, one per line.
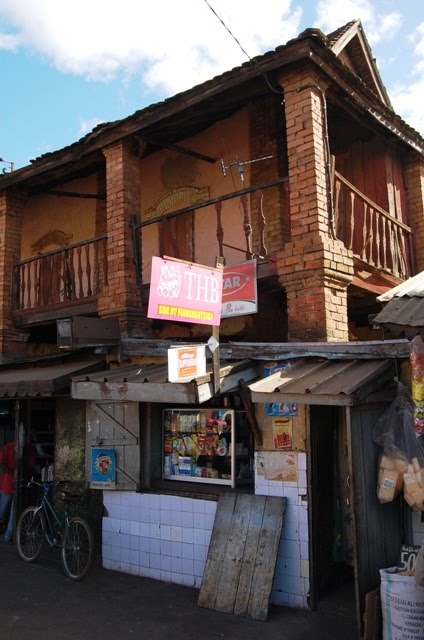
<point x="414" y="177"/>
<point x="314" y="268"/>
<point x="121" y="298"/>
<point x="12" y="341"/>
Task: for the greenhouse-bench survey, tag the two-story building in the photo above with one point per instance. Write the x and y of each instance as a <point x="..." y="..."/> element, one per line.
<point x="295" y="160"/>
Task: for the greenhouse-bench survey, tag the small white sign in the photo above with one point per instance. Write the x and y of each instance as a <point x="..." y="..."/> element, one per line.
<point x="186" y="363"/>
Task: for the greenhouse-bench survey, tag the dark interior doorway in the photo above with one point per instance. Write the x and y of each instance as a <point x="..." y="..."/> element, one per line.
<point x="332" y="525"/>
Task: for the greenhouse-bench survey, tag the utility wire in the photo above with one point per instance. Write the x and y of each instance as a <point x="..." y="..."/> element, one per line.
<point x="255" y="62"/>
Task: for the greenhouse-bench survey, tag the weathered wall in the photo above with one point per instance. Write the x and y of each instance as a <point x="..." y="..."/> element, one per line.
<point x="51" y="221"/>
<point x="70" y="458"/>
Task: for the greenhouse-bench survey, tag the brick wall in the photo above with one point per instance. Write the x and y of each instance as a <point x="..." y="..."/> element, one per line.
<point x="314" y="268"/>
<point x="414" y="176"/>
<point x="121" y="297"/>
<point x="12" y="342"/>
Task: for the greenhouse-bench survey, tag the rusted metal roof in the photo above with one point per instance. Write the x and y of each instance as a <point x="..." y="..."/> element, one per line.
<point x="42" y="381"/>
<point x="404" y="312"/>
<point x="342" y="382"/>
<point x="149" y="383"/>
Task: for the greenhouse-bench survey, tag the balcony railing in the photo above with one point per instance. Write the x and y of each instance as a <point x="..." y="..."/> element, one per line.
<point x="69" y="276"/>
<point x="370" y="232"/>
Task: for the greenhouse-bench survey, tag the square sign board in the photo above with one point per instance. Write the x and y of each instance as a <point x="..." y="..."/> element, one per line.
<point x="185" y="292"/>
<point x="186" y="363"/>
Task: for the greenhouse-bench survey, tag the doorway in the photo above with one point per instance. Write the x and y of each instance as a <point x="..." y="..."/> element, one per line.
<point x="332" y="522"/>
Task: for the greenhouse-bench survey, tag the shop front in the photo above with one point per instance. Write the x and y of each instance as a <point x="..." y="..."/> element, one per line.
<point x="175" y="456"/>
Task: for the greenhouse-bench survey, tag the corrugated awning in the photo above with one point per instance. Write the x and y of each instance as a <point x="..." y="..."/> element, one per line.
<point x="42" y="381"/>
<point x="404" y="311"/>
<point x="332" y="382"/>
<point x="149" y="383"/>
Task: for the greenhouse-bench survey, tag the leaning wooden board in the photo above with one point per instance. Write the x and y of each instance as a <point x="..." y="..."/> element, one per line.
<point x="242" y="554"/>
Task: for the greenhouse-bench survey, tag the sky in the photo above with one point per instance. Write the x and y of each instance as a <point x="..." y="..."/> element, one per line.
<point x="67" y="66"/>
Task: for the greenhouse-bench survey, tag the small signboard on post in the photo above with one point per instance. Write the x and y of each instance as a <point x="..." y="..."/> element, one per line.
<point x="186" y="363"/>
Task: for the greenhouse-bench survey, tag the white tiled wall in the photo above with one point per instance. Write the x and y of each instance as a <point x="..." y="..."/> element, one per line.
<point x="157" y="536"/>
<point x="291" y="579"/>
<point x="167" y="537"/>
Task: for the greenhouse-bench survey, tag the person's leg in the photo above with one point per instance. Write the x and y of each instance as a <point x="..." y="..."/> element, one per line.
<point x="5" y="502"/>
<point x="8" y="536"/>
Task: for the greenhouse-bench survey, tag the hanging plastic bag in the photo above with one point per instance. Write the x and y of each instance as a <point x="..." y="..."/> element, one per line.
<point x="402" y="456"/>
<point x="417" y="368"/>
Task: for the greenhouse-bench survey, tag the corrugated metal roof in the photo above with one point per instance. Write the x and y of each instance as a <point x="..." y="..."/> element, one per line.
<point x="331" y="382"/>
<point x="149" y="383"/>
<point x="41" y="381"/>
<point x="413" y="287"/>
<point x="405" y="311"/>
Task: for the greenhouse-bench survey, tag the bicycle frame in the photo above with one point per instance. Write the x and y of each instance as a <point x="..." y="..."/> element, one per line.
<point x="55" y="525"/>
<point x="72" y="534"/>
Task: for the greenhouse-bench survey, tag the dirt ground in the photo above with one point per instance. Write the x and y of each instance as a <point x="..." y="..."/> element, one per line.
<point x="37" y="602"/>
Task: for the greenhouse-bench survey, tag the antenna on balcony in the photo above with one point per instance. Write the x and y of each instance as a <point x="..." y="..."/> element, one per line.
<point x="11" y="165"/>
<point x="240" y="164"/>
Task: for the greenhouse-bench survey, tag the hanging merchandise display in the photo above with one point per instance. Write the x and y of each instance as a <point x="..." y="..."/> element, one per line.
<point x="402" y="457"/>
<point x="417" y="368"/>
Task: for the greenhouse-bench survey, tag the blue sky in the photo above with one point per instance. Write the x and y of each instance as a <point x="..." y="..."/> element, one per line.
<point x="66" y="66"/>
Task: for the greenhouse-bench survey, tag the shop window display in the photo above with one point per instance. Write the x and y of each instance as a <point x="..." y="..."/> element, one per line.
<point x="207" y="445"/>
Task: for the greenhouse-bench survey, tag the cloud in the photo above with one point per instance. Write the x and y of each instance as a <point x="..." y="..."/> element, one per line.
<point x="408" y="96"/>
<point x="332" y="14"/>
<point x="9" y="41"/>
<point x="170" y="44"/>
<point x="409" y="100"/>
<point x="87" y="124"/>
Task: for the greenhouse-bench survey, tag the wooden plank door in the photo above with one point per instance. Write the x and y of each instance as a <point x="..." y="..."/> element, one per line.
<point x="117" y="425"/>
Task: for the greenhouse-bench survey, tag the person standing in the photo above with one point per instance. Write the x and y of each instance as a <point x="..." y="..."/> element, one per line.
<point x="7" y="489"/>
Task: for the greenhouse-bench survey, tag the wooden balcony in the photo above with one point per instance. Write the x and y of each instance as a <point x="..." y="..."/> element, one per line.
<point x="64" y="279"/>
<point x="374" y="236"/>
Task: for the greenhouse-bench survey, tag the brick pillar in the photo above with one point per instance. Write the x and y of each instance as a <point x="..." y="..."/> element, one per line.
<point x="121" y="298"/>
<point x="314" y="268"/>
<point x="12" y="341"/>
<point x="414" y="177"/>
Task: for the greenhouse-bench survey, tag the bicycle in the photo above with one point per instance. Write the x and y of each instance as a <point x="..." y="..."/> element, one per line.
<point x="71" y="534"/>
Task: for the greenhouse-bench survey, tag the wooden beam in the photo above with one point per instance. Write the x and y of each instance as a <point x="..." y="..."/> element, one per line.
<point x="331" y="350"/>
<point x="250" y="412"/>
<point x="183" y="150"/>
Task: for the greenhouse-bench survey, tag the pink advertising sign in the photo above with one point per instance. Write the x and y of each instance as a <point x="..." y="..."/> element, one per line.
<point x="185" y="292"/>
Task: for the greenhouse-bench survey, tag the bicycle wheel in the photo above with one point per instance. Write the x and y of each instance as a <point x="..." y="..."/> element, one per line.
<point x="77" y="549"/>
<point x="30" y="533"/>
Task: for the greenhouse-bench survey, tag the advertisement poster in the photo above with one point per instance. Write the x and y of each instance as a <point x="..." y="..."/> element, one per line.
<point x="103" y="468"/>
<point x="280" y="409"/>
<point x="185" y="292"/>
<point x="278" y="466"/>
<point x="186" y="363"/>
<point x="239" y="290"/>
<point x="282" y="430"/>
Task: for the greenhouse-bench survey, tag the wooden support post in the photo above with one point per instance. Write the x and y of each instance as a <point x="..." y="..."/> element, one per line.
<point x="219" y="264"/>
<point x="250" y="411"/>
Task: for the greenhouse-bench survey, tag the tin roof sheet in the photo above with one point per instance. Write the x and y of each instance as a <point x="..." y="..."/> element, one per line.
<point x="413" y="287"/>
<point x="340" y="382"/>
<point x="42" y="381"/>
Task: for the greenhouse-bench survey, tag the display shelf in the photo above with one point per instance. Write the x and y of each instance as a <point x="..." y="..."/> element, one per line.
<point x="203" y="445"/>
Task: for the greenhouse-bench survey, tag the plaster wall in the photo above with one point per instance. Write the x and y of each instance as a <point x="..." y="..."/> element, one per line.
<point x="172" y="181"/>
<point x="51" y="221"/>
